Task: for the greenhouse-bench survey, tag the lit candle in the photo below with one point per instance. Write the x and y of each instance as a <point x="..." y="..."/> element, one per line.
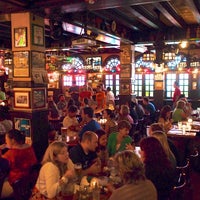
<point x="184" y="127"/>
<point x="189" y="120"/>
<point x="94" y="183"/>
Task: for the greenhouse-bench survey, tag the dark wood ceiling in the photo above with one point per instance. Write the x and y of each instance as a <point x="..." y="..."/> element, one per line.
<point x="135" y="20"/>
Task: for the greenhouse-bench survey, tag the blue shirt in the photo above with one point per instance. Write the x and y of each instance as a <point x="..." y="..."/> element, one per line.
<point x="90" y="126"/>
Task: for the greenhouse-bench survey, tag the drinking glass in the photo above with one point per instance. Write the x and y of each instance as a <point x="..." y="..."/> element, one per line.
<point x="78" y="170"/>
<point x="68" y="191"/>
<point x="64" y="133"/>
<point x="179" y="125"/>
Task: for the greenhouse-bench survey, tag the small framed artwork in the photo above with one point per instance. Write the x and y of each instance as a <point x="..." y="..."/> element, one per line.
<point x="21" y="64"/>
<point x="125" y="88"/>
<point x="158" y="85"/>
<point x="37" y="59"/>
<point x="20" y="37"/>
<point x="37" y="76"/>
<point x="22" y="99"/>
<point x="125" y="55"/>
<point x="24" y="125"/>
<point x="38" y="35"/>
<point x="125" y="71"/>
<point x="39" y="98"/>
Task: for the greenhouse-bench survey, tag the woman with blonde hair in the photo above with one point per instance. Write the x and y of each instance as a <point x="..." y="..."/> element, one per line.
<point x="179" y="113"/>
<point x="56" y="171"/>
<point x="136" y="185"/>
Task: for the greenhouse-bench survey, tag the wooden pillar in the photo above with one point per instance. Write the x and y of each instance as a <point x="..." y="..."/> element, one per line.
<point x="29" y="79"/>
<point x="159" y="87"/>
<point x="127" y="73"/>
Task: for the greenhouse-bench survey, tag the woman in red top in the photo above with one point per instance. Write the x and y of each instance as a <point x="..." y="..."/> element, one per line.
<point x="21" y="157"/>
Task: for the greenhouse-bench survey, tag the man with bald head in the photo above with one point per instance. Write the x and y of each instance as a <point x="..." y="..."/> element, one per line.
<point x="85" y="153"/>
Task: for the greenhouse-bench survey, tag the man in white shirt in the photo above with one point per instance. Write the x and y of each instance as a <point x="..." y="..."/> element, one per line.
<point x="70" y="121"/>
<point x="110" y="97"/>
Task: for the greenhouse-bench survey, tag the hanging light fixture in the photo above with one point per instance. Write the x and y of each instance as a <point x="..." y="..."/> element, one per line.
<point x="169" y="54"/>
<point x="148" y="56"/>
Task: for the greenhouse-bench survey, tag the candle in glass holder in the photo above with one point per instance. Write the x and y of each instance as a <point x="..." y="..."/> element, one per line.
<point x="95" y="189"/>
<point x="183" y="128"/>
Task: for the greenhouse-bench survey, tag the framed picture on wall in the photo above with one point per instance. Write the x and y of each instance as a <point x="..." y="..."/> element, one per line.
<point x="125" y="71"/>
<point x="24" y="125"/>
<point x="125" y="88"/>
<point x="21" y="64"/>
<point x="37" y="59"/>
<point x="37" y="76"/>
<point x="38" y="35"/>
<point x="39" y="98"/>
<point x="20" y="37"/>
<point x="22" y="99"/>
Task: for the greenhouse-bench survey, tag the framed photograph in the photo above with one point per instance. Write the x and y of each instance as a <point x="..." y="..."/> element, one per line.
<point x="22" y="99"/>
<point x="24" y="125"/>
<point x="125" y="71"/>
<point x="125" y="55"/>
<point x="38" y="35"/>
<point x="125" y="88"/>
<point x="21" y="64"/>
<point x="37" y="59"/>
<point x="45" y="77"/>
<point x="158" y="85"/>
<point x="20" y="37"/>
<point x="39" y="98"/>
<point x="37" y="76"/>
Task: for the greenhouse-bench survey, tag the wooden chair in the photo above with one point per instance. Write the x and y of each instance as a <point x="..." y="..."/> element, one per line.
<point x="185" y="170"/>
<point x="23" y="187"/>
<point x="3" y="175"/>
<point x="195" y="160"/>
<point x="4" y="171"/>
<point x="179" y="188"/>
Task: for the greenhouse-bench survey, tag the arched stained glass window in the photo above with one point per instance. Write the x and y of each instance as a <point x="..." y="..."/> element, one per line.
<point x="112" y="69"/>
<point x="73" y="63"/>
<point x="112" y="64"/>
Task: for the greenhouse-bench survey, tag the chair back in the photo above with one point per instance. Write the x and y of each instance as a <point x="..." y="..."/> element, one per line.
<point x="23" y="187"/>
<point x="185" y="170"/>
<point x="4" y="171"/>
<point x="3" y="175"/>
<point x="179" y="188"/>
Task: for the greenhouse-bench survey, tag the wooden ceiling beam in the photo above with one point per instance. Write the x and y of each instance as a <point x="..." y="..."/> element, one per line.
<point x="143" y="16"/>
<point x="168" y="11"/>
<point x="195" y="9"/>
<point x="109" y="16"/>
<point x="122" y="18"/>
<point x="22" y="3"/>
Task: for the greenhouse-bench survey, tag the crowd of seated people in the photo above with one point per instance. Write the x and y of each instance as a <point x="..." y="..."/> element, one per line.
<point x="98" y="142"/>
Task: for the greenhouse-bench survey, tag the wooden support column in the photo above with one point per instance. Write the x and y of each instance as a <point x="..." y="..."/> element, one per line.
<point x="29" y="79"/>
<point x="158" y="98"/>
<point x="127" y="73"/>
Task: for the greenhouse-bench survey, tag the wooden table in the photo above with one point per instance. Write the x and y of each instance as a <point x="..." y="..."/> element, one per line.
<point x="185" y="143"/>
<point x="174" y="132"/>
